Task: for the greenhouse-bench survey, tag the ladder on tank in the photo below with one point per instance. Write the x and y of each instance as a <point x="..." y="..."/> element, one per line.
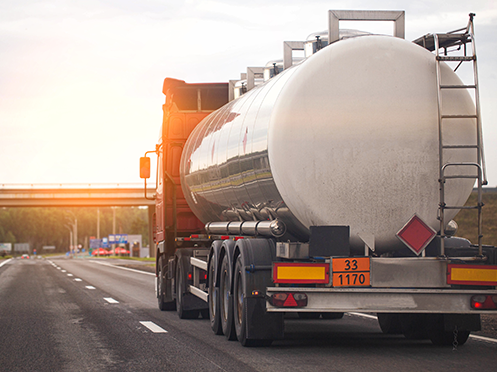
<point x="460" y="38"/>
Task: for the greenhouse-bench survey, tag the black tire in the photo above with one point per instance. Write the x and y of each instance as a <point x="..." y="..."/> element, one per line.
<point x="309" y="315"/>
<point x="162" y="284"/>
<point x="214" y="305"/>
<point x="180" y="292"/>
<point x="414" y="326"/>
<point x="447" y="338"/>
<point x="390" y="324"/>
<point x="226" y="301"/>
<point x="332" y="315"/>
<point x="240" y="308"/>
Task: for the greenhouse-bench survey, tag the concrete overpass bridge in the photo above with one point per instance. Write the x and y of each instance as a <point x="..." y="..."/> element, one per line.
<point x="74" y="195"/>
<point x="78" y="195"/>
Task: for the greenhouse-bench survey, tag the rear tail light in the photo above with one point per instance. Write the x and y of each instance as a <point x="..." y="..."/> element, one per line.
<point x="288" y="299"/>
<point x="484" y="302"/>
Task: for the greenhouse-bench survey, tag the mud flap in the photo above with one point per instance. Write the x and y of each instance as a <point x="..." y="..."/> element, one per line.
<point x="262" y="325"/>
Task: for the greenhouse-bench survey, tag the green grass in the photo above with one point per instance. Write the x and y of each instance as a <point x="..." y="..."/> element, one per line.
<point x="5" y="258"/>
<point x="468" y="220"/>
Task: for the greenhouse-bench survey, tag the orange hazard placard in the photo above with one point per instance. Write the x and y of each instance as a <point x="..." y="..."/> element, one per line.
<point x="350" y="264"/>
<point x="351" y="272"/>
<point x="354" y="279"/>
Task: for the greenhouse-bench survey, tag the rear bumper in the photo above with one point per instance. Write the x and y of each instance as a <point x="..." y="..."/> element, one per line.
<point x="380" y="300"/>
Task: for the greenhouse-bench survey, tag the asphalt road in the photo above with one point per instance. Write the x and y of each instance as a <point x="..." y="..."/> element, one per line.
<point x="87" y="315"/>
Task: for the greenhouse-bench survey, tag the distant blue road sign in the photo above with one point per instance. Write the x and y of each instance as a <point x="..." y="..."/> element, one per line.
<point x="95" y="243"/>
<point x="118" y="239"/>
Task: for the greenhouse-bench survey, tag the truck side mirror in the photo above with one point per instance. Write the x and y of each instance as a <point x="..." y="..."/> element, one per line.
<point x="145" y="167"/>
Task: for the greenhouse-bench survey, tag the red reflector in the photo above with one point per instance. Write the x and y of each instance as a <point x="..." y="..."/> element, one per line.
<point x="193" y="236"/>
<point x="237" y="238"/>
<point x="186" y="239"/>
<point x="290" y="301"/>
<point x="416" y="234"/>
<point x="190" y="276"/>
<point x="225" y="237"/>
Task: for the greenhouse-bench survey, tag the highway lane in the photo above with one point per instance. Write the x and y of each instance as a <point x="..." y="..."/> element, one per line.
<point x="58" y="316"/>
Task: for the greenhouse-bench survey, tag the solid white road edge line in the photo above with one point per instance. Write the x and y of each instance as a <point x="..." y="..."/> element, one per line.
<point x="475" y="337"/>
<point x="485" y="339"/>
<point x="110" y="300"/>
<point x="123" y="268"/>
<point x="4" y="262"/>
<point x="365" y="315"/>
<point x="153" y="327"/>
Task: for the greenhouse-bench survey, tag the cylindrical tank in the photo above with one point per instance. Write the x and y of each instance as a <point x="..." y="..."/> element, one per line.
<point x="347" y="137"/>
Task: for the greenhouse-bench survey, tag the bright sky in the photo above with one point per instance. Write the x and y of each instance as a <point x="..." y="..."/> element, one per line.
<point x="81" y="80"/>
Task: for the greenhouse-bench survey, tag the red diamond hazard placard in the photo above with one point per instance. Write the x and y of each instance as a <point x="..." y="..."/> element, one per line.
<point x="416" y="234"/>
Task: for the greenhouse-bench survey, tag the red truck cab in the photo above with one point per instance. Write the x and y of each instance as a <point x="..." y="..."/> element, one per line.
<point x="185" y="107"/>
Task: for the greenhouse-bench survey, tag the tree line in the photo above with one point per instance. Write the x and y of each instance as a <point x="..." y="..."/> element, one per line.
<point x="50" y="226"/>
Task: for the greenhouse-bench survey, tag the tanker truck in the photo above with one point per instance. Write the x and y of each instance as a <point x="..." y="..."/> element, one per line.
<point x="327" y="184"/>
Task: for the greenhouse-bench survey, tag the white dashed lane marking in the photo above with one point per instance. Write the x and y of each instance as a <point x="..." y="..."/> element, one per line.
<point x="124" y="268"/>
<point x="110" y="300"/>
<point x="90" y="287"/>
<point x="4" y="262"/>
<point x="70" y="275"/>
<point x="77" y="280"/>
<point x="153" y="327"/>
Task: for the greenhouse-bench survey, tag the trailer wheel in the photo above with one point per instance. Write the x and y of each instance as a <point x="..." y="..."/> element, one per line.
<point x="414" y="326"/>
<point x="390" y="323"/>
<point x="180" y="291"/>
<point x="446" y="338"/>
<point x="214" y="305"/>
<point x="226" y="301"/>
<point x="441" y="337"/>
<point x="240" y="308"/>
<point x="162" y="284"/>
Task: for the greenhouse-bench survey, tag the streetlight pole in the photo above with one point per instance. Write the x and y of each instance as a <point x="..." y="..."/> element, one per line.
<point x="98" y="223"/>
<point x="74" y="229"/>
<point x="114" y="229"/>
<point x="70" y="228"/>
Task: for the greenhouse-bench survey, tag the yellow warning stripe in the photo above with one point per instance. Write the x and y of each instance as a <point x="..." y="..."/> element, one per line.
<point x="473" y="275"/>
<point x="301" y="273"/>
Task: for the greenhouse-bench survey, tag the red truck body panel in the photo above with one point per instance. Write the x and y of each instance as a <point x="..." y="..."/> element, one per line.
<point x="186" y="106"/>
